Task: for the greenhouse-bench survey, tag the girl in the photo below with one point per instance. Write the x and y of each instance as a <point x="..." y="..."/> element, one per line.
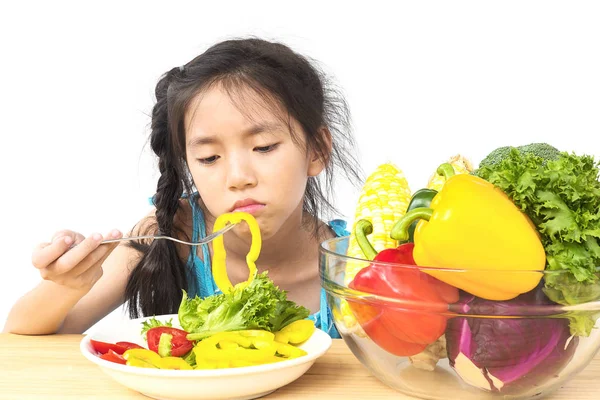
<point x="249" y="126"/>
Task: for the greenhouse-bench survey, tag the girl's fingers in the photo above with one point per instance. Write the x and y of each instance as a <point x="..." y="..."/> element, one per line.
<point x="78" y="238"/>
<point x="75" y="255"/>
<point x="46" y="253"/>
<point x="96" y="256"/>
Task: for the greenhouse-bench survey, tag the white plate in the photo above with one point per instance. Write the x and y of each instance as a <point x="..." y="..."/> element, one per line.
<point x="231" y="383"/>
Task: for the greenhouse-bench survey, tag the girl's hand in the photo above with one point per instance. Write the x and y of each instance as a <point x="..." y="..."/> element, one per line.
<point x="72" y="260"/>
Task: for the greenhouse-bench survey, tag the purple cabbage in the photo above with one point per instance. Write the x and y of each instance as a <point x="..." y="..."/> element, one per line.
<point x="522" y="346"/>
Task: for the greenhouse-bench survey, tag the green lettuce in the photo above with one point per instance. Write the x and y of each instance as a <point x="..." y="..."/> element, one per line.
<point x="260" y="305"/>
<point x="562" y="198"/>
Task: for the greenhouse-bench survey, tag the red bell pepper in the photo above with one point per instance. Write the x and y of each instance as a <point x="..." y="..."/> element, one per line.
<point x="118" y="348"/>
<point x="407" y="328"/>
<point x="180" y="345"/>
<point x="114" y="357"/>
<point x="129" y="345"/>
<point x="104" y="347"/>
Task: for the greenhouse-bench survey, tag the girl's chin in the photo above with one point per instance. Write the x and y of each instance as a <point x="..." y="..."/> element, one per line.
<point x="243" y="230"/>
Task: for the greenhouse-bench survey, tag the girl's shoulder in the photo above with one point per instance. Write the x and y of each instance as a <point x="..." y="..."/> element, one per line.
<point x="339" y="227"/>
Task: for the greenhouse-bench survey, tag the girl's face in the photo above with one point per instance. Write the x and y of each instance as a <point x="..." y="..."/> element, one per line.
<point x="247" y="161"/>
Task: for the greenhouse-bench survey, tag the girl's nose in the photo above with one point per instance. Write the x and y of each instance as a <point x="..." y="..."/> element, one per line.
<point x="240" y="174"/>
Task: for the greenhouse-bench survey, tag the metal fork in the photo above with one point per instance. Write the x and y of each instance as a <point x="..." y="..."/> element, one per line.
<point x="205" y="240"/>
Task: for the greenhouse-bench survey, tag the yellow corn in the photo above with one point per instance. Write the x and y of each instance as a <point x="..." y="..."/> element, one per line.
<point x="461" y="166"/>
<point x="383" y="200"/>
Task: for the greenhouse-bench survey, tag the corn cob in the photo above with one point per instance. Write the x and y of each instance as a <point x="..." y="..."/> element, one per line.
<point x="383" y="200"/>
<point x="461" y="166"/>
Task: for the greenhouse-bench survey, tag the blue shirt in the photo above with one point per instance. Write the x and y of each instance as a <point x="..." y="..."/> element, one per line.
<point x="206" y="286"/>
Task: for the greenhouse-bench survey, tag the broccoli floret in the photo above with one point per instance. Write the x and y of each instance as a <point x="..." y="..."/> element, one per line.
<point x="543" y="150"/>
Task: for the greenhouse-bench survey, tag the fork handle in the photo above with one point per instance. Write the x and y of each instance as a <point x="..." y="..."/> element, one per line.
<point x="205" y="240"/>
<point x="123" y="239"/>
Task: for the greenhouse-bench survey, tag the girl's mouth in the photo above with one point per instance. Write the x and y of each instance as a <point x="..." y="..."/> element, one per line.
<point x="250" y="206"/>
<point x="250" y="209"/>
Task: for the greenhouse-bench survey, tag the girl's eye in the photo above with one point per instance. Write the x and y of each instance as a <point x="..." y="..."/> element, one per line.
<point x="266" y="149"/>
<point x="208" y="160"/>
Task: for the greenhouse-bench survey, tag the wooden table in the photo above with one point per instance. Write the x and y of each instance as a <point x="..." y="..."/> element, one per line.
<point x="51" y="367"/>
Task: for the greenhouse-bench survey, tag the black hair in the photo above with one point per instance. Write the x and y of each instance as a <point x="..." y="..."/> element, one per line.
<point x="277" y="74"/>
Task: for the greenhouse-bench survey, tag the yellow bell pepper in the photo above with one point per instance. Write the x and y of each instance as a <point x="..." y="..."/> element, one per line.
<point x="136" y="362"/>
<point x="145" y="358"/>
<point x="288" y="351"/>
<point x="473" y="226"/>
<point x="243" y="348"/>
<point x="171" y="362"/>
<point x="219" y="269"/>
<point x="224" y="349"/>
<point x="142" y="358"/>
<point x="296" y="332"/>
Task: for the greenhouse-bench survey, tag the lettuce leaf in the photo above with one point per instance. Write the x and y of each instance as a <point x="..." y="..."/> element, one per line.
<point x="260" y="305"/>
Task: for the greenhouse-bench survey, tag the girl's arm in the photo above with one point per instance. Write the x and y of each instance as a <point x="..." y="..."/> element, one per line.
<point x="55" y="308"/>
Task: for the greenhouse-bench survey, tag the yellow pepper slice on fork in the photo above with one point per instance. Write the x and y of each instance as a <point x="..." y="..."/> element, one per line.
<point x="219" y="269"/>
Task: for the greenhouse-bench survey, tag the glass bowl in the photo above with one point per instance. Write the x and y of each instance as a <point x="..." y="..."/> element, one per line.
<point x="452" y="344"/>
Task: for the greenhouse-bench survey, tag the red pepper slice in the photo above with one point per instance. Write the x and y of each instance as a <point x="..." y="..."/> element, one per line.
<point x="104" y="347"/>
<point x="114" y="357"/>
<point x="401" y="330"/>
<point x="180" y="344"/>
<point x="129" y="345"/>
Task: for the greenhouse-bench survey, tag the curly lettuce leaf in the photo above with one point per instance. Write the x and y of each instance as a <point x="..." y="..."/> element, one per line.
<point x="260" y="305"/>
<point x="193" y="312"/>
<point x="285" y="313"/>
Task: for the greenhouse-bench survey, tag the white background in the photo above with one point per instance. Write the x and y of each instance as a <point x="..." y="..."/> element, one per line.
<point x="424" y="80"/>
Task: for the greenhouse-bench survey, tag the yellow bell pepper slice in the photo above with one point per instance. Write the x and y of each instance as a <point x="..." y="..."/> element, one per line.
<point x="136" y="362"/>
<point x="174" y="363"/>
<point x="204" y="363"/>
<point x="256" y="333"/>
<point x="251" y="346"/>
<point x="228" y="344"/>
<point x="242" y="348"/>
<point x="219" y="269"/>
<point x="288" y="351"/>
<point x="148" y="359"/>
<point x="296" y="332"/>
<point x="142" y="358"/>
<point x="473" y="226"/>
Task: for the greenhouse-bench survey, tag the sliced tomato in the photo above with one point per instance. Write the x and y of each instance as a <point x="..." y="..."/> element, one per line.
<point x="104" y="347"/>
<point x="114" y="357"/>
<point x="179" y="343"/>
<point x="129" y="345"/>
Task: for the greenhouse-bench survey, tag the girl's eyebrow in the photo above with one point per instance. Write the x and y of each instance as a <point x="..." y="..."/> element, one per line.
<point x="255" y="129"/>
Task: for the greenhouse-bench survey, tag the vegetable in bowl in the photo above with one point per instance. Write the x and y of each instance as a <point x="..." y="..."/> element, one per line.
<point x="518" y="348"/>
<point x="520" y="238"/>
<point x="562" y="198"/>
<point x="513" y="351"/>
